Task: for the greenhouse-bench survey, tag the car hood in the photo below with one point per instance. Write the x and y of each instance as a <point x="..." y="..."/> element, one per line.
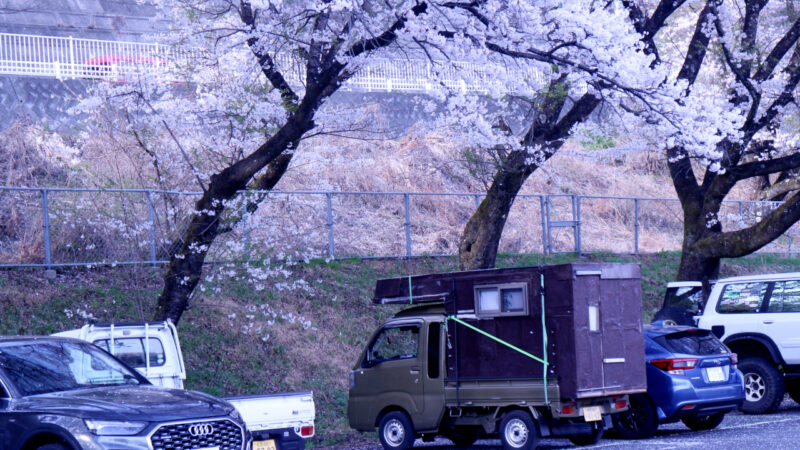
<point x="141" y="403"/>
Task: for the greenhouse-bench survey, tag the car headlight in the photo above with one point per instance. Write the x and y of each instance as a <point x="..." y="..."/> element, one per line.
<point x="114" y="428"/>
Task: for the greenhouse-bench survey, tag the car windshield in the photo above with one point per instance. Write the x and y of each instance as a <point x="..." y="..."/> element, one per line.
<point x="39" y="367"/>
<point x="692" y="342"/>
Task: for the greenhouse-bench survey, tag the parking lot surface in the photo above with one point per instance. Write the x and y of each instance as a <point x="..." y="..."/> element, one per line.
<point x="780" y="430"/>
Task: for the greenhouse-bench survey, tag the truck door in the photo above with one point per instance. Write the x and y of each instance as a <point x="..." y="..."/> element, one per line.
<point x="391" y="372"/>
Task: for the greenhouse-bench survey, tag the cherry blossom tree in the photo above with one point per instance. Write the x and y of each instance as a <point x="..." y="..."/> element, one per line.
<point x="260" y="75"/>
<point x="648" y="66"/>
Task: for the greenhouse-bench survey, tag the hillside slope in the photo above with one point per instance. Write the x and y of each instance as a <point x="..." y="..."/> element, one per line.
<point x="302" y="332"/>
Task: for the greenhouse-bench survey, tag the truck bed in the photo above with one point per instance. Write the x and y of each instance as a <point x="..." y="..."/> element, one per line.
<point x="495" y="391"/>
<point x="276" y="411"/>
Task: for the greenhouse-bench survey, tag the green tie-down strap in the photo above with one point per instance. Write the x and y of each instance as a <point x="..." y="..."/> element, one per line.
<point x="495" y="338"/>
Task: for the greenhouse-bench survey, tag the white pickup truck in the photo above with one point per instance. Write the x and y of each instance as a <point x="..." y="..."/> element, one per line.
<point x="277" y="421"/>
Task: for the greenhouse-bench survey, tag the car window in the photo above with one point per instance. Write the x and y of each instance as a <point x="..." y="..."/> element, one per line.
<point x="685" y="297"/>
<point x="785" y="297"/>
<point x="694" y="342"/>
<point x="131" y="351"/>
<point x="53" y="366"/>
<point x="742" y="297"/>
<point x="395" y="343"/>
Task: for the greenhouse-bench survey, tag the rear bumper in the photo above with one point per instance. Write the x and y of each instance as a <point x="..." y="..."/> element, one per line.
<point x="679" y="398"/>
<point x="285" y="438"/>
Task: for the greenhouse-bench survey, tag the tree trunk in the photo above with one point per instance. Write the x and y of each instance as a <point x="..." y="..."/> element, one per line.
<point x="477" y="248"/>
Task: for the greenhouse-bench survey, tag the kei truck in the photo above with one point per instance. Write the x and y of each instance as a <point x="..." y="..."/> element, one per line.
<point x="516" y="353"/>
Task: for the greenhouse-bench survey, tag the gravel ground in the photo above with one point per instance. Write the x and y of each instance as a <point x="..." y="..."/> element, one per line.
<point x="780" y="430"/>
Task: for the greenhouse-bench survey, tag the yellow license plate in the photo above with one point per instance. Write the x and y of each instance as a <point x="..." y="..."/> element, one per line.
<point x="264" y="445"/>
<point x="592" y="413"/>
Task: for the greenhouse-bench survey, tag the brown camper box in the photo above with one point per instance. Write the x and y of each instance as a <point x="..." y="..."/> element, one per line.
<point x="592" y="313"/>
<point x="521" y="353"/>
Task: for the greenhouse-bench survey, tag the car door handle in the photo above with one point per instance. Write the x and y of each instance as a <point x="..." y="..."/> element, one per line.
<point x="767" y="322"/>
<point x="414" y="371"/>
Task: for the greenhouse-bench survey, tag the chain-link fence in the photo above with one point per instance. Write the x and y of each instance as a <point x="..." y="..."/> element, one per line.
<point x="50" y="227"/>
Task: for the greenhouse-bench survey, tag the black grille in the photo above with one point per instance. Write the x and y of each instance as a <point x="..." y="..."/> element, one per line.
<point x="224" y="434"/>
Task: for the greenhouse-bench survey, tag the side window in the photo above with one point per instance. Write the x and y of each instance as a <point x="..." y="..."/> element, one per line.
<point x="501" y="300"/>
<point x="3" y="392"/>
<point x="434" y="344"/>
<point x="131" y="351"/>
<point x="785" y="297"/>
<point x="395" y="343"/>
<point x="742" y="297"/>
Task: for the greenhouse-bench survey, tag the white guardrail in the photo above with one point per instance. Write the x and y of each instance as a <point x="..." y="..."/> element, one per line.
<point x="71" y="58"/>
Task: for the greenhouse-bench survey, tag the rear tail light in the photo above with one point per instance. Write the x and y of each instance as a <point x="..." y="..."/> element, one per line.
<point x="734" y="359"/>
<point x="675" y="366"/>
<point x="689" y="406"/>
<point x="620" y="404"/>
<point x="568" y="410"/>
<point x="307" y="431"/>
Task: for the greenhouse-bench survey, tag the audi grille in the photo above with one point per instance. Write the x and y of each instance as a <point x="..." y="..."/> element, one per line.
<point x="222" y="433"/>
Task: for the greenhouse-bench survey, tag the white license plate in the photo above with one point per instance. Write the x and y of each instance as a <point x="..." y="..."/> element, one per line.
<point x="715" y="374"/>
<point x="264" y="445"/>
<point x="592" y="413"/>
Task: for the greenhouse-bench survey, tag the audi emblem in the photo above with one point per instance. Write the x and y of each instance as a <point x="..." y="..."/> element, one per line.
<point x="203" y="429"/>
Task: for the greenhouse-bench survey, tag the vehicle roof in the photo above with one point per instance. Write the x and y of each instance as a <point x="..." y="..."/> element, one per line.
<point x="762" y="277"/>
<point x="654" y="330"/>
<point x="684" y="284"/>
<point x="38" y="338"/>
<point x="429" y="309"/>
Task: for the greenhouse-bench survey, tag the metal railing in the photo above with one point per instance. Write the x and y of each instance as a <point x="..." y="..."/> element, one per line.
<point x="70" y="58"/>
<point x="52" y="227"/>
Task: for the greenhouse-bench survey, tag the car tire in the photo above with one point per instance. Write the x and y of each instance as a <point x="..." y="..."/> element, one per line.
<point x="396" y="431"/>
<point x="672" y="315"/>
<point x="53" y="446"/>
<point x="793" y="389"/>
<point x="702" y="423"/>
<point x="463" y="437"/>
<point x="589" y="439"/>
<point x="763" y="386"/>
<point x="518" y="431"/>
<point x="639" y="421"/>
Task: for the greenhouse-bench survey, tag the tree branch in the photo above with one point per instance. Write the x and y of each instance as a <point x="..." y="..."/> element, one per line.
<point x="698" y="46"/>
<point x="778" y="52"/>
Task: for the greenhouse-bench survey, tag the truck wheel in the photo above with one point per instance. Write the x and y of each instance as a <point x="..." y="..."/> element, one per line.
<point x="763" y="386"/>
<point x="518" y="431"/>
<point x="588" y="439"/>
<point x="395" y="431"/>
<point x="639" y="421"/>
<point x="463" y="437"/>
<point x="705" y="422"/>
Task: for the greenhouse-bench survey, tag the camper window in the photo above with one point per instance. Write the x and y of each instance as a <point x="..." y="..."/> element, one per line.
<point x="501" y="300"/>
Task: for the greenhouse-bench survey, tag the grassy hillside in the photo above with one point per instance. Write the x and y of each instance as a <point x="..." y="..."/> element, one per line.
<point x="303" y="331"/>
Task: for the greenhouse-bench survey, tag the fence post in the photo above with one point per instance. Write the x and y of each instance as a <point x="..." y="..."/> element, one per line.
<point x="576" y="210"/>
<point x="329" y="206"/>
<point x="636" y="226"/>
<point x="46" y="229"/>
<point x="72" y="56"/>
<point x="151" y="214"/>
<point x="544" y="224"/>
<point x="406" y="200"/>
<point x="245" y="226"/>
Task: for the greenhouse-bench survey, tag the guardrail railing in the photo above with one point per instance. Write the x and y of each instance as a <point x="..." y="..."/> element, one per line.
<point x="70" y="58"/>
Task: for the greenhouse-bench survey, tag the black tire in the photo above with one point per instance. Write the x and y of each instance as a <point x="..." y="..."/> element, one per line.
<point x="463" y="437"/>
<point x="518" y="431"/>
<point x="703" y="423"/>
<point x="53" y="446"/>
<point x="763" y="386"/>
<point x="672" y="315"/>
<point x="396" y="431"/>
<point x="640" y="421"/>
<point x="793" y="389"/>
<point x="589" y="439"/>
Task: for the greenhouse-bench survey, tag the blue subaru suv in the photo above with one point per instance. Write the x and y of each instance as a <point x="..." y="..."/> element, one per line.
<point x="691" y="377"/>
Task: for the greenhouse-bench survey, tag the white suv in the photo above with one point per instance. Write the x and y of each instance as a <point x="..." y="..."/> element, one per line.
<point x="758" y="317"/>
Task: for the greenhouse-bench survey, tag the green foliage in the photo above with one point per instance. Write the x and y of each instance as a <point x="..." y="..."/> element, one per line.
<point x="224" y="358"/>
<point x="597" y="142"/>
